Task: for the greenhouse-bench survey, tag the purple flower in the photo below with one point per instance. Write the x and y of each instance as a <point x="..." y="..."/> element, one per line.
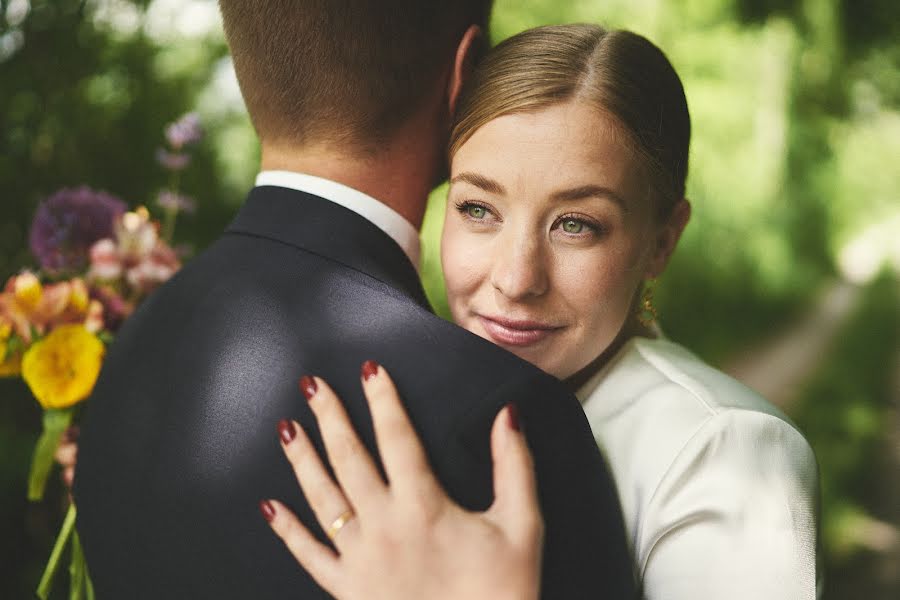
<point x="175" y="202"/>
<point x="174" y="161"/>
<point x="68" y="223"/>
<point x="184" y="131"/>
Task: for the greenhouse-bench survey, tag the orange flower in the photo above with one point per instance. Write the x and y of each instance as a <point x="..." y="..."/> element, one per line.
<point x="26" y="306"/>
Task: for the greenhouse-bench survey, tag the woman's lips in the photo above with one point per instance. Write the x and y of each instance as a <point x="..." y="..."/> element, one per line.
<point x="509" y="332"/>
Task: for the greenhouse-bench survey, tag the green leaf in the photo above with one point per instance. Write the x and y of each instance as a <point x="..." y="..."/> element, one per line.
<point x="14" y="344"/>
<point x="55" y="423"/>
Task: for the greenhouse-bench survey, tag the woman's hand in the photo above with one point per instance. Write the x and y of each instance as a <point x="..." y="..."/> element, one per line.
<point x="67" y="455"/>
<point x="407" y="539"/>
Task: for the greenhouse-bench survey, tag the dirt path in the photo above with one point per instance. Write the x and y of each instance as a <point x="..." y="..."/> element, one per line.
<point x="875" y="574"/>
<point x="778" y="368"/>
<point x="781" y="365"/>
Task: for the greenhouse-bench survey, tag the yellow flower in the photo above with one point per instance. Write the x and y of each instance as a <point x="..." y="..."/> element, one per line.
<point x="10" y="363"/>
<point x="61" y="369"/>
<point x="28" y="290"/>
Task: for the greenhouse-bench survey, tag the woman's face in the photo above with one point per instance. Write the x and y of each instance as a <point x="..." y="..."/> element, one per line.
<point x="549" y="233"/>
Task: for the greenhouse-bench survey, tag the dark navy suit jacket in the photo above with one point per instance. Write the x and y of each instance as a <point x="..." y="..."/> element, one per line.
<point x="179" y="440"/>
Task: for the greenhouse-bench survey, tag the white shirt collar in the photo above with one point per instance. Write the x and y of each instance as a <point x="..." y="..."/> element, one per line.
<point x="379" y="214"/>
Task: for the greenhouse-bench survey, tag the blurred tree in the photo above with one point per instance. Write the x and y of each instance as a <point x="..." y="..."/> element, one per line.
<point x="796" y="131"/>
<point x="83" y="101"/>
<point x="83" y="104"/>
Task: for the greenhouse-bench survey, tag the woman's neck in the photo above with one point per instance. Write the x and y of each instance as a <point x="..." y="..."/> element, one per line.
<point x="632" y="328"/>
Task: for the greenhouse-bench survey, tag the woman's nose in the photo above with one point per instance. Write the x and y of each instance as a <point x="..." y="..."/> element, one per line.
<point x="519" y="271"/>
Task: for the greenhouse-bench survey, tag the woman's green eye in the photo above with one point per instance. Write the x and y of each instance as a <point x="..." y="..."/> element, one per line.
<point x="572" y="226"/>
<point x="475" y="211"/>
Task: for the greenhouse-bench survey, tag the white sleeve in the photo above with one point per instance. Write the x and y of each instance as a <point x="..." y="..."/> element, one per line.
<point x="735" y="515"/>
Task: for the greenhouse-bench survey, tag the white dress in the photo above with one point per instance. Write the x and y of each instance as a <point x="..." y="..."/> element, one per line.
<point x="719" y="489"/>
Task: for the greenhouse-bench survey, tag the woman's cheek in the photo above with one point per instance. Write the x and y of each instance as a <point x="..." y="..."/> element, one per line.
<point x="464" y="257"/>
<point x="597" y="286"/>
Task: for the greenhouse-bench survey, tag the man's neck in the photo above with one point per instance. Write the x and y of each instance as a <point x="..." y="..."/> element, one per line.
<point x="400" y="176"/>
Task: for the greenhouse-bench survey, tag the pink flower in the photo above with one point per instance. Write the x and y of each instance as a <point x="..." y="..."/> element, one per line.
<point x="173" y="161"/>
<point x="115" y="308"/>
<point x="184" y="131"/>
<point x="136" y="257"/>
<point x="175" y="202"/>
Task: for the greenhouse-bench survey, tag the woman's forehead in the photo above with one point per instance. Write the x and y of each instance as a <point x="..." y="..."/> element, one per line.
<point x="564" y="144"/>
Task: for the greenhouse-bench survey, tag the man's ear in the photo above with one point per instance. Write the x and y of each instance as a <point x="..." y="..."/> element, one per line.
<point x="667" y="238"/>
<point x="470" y="46"/>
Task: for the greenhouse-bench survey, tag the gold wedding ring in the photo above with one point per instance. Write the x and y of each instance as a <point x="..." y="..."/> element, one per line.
<point x="339" y="523"/>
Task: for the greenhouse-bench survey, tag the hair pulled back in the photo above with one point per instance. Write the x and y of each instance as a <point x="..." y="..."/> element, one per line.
<point x="619" y="72"/>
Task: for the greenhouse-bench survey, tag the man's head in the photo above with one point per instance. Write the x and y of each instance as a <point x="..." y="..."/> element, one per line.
<point x="345" y="72"/>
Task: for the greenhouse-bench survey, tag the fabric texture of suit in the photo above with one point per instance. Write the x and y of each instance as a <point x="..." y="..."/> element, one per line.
<point x="179" y="440"/>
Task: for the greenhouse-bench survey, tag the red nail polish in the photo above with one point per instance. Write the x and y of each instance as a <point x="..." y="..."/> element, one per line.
<point x="308" y="386"/>
<point x="267" y="509"/>
<point x="369" y="370"/>
<point x="513" y="412"/>
<point x="286" y="431"/>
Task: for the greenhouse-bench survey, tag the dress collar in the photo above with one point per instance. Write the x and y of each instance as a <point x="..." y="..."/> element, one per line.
<point x="380" y="214"/>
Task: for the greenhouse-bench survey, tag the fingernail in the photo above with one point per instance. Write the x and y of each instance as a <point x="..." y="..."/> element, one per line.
<point x="513" y="412"/>
<point x="267" y="509"/>
<point x="286" y="431"/>
<point x="369" y="370"/>
<point x="308" y="386"/>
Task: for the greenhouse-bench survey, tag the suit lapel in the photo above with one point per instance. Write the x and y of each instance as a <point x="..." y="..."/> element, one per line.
<point x="330" y="230"/>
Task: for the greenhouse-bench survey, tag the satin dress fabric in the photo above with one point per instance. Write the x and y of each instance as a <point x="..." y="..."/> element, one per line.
<point x="719" y="488"/>
<point x="179" y="442"/>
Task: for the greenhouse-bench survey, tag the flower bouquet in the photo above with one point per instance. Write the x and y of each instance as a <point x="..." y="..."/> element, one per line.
<point x="97" y="262"/>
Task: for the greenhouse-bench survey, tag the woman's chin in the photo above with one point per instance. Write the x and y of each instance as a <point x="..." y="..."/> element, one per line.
<point x="538" y="358"/>
<point x="534" y="353"/>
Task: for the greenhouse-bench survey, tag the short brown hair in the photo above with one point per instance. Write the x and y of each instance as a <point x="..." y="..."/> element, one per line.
<point x="620" y="72"/>
<point x="341" y="70"/>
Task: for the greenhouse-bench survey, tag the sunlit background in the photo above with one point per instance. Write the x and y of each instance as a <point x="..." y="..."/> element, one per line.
<point x="786" y="277"/>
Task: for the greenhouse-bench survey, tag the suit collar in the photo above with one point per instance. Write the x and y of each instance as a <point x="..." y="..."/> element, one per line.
<point x="379" y="213"/>
<point x="330" y="230"/>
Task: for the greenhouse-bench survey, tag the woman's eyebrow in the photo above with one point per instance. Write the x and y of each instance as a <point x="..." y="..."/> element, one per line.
<point x="588" y="191"/>
<point x="480" y="181"/>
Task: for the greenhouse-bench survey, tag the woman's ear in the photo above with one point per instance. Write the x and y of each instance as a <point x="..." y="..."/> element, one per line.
<point x="467" y="53"/>
<point x="667" y="238"/>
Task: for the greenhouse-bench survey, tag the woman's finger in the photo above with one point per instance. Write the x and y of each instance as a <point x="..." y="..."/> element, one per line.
<point x="68" y="477"/>
<point x="349" y="458"/>
<point x="515" y="510"/>
<point x="66" y="453"/>
<point x="318" y="559"/>
<point x="324" y="496"/>
<point x="401" y="451"/>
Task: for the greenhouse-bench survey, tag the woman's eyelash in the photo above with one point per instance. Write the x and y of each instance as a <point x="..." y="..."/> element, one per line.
<point x="465" y="206"/>
<point x="590" y="224"/>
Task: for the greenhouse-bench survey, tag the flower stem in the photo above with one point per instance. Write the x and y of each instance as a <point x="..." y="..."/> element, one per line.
<point x="55" y="422"/>
<point x="43" y="590"/>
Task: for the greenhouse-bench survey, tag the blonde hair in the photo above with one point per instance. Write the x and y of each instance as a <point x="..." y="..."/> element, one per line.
<point x="619" y="72"/>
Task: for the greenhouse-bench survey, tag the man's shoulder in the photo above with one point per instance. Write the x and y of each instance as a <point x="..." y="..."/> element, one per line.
<point x="309" y="308"/>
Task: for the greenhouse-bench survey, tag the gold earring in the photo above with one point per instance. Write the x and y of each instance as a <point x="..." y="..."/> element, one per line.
<point x="647" y="314"/>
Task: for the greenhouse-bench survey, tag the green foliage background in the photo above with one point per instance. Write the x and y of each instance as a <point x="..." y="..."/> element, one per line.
<point x="796" y="113"/>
